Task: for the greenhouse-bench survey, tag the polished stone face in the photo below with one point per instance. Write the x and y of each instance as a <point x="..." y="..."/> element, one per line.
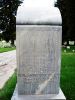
<point x="38" y="59"/>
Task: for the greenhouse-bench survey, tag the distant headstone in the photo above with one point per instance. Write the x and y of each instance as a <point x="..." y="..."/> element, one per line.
<point x="71" y="42"/>
<point x="38" y="52"/>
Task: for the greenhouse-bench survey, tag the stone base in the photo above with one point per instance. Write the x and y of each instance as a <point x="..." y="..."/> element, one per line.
<point x="59" y="96"/>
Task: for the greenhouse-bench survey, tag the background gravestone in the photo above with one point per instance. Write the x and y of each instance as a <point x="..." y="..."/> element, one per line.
<point x="38" y="52"/>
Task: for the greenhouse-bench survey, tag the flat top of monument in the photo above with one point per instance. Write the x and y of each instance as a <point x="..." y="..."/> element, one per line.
<point x="38" y="12"/>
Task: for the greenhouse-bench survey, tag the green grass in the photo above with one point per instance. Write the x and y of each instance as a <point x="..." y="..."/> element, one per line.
<point x="68" y="50"/>
<point x="68" y="75"/>
<point x="7" y="91"/>
<point x="67" y="79"/>
<point x="6" y="49"/>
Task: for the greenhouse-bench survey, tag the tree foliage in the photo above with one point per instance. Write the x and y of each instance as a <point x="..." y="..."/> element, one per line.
<point x="8" y="19"/>
<point x="67" y="9"/>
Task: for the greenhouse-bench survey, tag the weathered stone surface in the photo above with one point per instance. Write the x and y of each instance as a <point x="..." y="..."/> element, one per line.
<point x="59" y="96"/>
<point x="38" y="59"/>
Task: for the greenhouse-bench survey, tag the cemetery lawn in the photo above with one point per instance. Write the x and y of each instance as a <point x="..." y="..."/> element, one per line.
<point x="7" y="91"/>
<point x="7" y="49"/>
<point x="67" y="81"/>
<point x="68" y="50"/>
<point x="68" y="75"/>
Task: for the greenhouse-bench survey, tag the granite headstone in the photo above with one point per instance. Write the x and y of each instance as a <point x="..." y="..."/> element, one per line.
<point x="39" y="34"/>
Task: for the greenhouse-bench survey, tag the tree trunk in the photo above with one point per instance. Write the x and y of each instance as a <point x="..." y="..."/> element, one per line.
<point x="67" y="42"/>
<point x="74" y="43"/>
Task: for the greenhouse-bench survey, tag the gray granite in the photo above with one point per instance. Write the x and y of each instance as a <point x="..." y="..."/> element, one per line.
<point x="59" y="96"/>
<point x="39" y="32"/>
<point x="38" y="59"/>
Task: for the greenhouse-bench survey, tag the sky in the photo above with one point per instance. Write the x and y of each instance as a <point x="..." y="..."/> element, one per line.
<point x="38" y="11"/>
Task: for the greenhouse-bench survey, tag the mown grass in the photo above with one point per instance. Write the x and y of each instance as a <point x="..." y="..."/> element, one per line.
<point x="7" y="91"/>
<point x="68" y="75"/>
<point x="6" y="49"/>
<point x="67" y="80"/>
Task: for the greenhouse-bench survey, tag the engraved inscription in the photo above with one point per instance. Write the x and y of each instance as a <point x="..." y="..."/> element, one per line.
<point x="38" y="58"/>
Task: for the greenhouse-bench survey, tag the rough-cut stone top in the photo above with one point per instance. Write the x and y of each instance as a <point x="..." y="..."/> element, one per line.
<point x="38" y="12"/>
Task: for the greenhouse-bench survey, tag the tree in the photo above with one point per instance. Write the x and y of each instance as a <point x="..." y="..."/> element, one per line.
<point x="61" y="5"/>
<point x="67" y="9"/>
<point x="8" y="19"/>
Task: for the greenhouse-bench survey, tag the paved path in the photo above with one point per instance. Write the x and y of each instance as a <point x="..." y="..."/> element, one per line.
<point x="7" y="66"/>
